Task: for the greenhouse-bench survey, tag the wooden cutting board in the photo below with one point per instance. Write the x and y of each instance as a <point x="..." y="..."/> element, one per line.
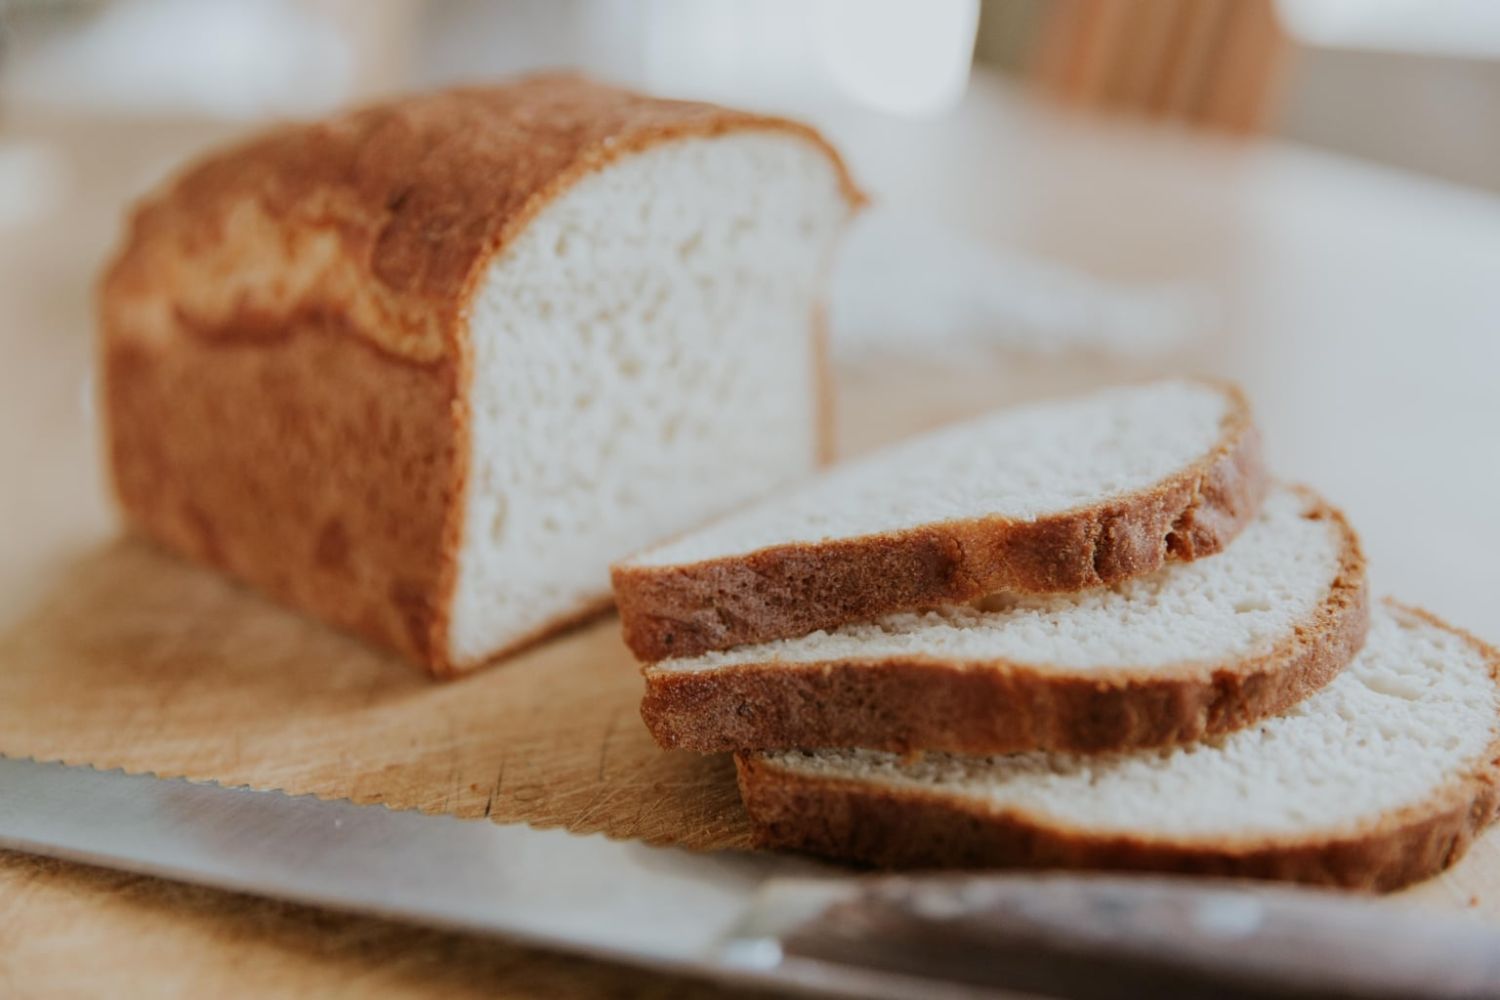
<point x="131" y="658"/>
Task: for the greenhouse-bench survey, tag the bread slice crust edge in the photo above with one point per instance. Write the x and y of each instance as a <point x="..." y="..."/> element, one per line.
<point x="993" y="706"/>
<point x="855" y="822"/>
<point x="794" y="589"/>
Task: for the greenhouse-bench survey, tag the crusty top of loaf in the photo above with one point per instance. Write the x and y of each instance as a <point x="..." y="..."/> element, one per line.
<point x="382" y="219"/>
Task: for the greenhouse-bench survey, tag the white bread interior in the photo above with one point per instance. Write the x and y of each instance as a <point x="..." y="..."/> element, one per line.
<point x="1021" y="463"/>
<point x="644" y="358"/>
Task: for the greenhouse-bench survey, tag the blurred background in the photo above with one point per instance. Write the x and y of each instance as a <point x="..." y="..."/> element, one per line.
<point x="1072" y="118"/>
<point x="1298" y="194"/>
<point x="1406" y="82"/>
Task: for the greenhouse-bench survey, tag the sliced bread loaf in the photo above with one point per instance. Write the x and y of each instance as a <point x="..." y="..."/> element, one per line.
<point x="1380" y="779"/>
<point x="427" y="368"/>
<point x="1060" y="496"/>
<point x="1193" y="650"/>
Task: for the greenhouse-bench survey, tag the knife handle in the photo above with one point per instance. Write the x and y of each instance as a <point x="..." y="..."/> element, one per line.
<point x="1096" y="937"/>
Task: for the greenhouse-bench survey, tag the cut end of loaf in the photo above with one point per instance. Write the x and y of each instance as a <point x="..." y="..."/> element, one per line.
<point x="1381" y="779"/>
<point x="644" y="359"/>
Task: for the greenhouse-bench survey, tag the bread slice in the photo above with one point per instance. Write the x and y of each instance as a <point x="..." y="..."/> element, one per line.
<point x="1060" y="496"/>
<point x="427" y="368"/>
<point x="1193" y="650"/>
<point x="1382" y="778"/>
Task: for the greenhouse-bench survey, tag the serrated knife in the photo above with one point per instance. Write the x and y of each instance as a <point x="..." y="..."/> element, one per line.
<point x="754" y="918"/>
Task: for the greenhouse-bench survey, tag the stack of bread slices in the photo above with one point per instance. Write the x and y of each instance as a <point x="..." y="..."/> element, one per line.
<point x="1088" y="633"/>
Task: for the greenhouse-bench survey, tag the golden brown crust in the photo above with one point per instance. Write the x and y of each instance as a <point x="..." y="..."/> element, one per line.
<point x="285" y="364"/>
<point x="867" y="824"/>
<point x="318" y="469"/>
<point x="988" y="706"/>
<point x="795" y="589"/>
<point x="386" y="216"/>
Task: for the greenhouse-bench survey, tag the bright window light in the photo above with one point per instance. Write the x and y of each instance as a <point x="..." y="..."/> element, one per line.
<point x="1435" y="27"/>
<point x="908" y="57"/>
<point x="899" y="56"/>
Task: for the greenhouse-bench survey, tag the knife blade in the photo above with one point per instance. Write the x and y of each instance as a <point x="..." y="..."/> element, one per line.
<point x="750" y="917"/>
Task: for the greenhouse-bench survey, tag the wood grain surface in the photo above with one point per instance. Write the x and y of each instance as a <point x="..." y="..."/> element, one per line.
<point x="141" y="661"/>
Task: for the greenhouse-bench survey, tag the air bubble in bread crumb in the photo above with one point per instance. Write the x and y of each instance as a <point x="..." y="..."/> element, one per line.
<point x="498" y="519"/>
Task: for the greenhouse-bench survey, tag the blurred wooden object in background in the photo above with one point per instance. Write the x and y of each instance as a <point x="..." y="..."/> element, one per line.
<point x="1212" y="63"/>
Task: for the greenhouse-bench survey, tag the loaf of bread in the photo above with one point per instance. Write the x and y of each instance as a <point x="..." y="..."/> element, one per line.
<point x="1382" y="778"/>
<point x="425" y="369"/>
<point x="1192" y="651"/>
